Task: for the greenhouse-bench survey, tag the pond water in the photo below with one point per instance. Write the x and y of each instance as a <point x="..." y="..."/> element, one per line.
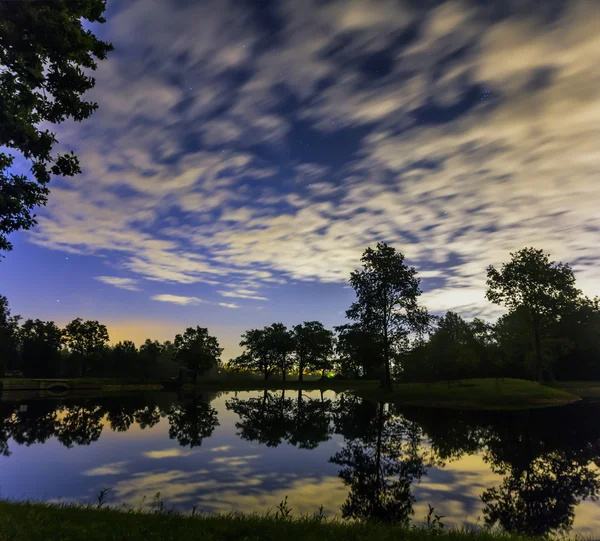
<point x="532" y="471"/>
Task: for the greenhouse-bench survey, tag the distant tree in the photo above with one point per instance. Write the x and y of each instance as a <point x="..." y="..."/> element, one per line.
<point x="125" y="359"/>
<point x="43" y="48"/>
<point x="579" y="326"/>
<point x="9" y="326"/>
<point x="259" y="355"/>
<point x="453" y="351"/>
<point x="358" y="353"/>
<point x="197" y="350"/>
<point x="313" y="347"/>
<point x="280" y="341"/>
<point x="541" y="288"/>
<point x="150" y="354"/>
<point x="85" y="339"/>
<point x="41" y="342"/>
<point x="486" y="347"/>
<point x="387" y="291"/>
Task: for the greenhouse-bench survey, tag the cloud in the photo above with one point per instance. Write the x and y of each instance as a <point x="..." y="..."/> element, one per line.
<point x="452" y="135"/>
<point x="243" y="294"/>
<point x="122" y="283"/>
<point x="228" y="305"/>
<point x="177" y="299"/>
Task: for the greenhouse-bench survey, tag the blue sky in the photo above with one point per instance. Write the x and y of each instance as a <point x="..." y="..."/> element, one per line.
<point x="245" y="153"/>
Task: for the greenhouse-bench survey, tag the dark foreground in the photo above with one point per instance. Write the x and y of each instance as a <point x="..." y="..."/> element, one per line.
<point x="35" y="521"/>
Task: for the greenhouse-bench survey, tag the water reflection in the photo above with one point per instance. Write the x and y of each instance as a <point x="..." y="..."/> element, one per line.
<point x="273" y="418"/>
<point x="546" y="461"/>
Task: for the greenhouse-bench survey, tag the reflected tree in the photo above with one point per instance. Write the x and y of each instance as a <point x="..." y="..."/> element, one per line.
<point x="36" y="423"/>
<point x="148" y="417"/>
<point x="550" y="464"/>
<point x="311" y="422"/>
<point x="191" y="423"/>
<point x="79" y="425"/>
<point x="380" y="467"/>
<point x="121" y="416"/>
<point x="267" y="419"/>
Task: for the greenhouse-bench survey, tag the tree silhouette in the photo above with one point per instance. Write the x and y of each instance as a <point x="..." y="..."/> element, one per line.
<point x="9" y="326"/>
<point x="197" y="350"/>
<point x="192" y="422"/>
<point x="85" y="339"/>
<point x="42" y="81"/>
<point x="41" y="342"/>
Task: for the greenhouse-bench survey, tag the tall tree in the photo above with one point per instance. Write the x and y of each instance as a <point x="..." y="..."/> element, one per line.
<point x="9" y="326"/>
<point x="85" y="339"/>
<point x="452" y="348"/>
<point x="387" y="292"/>
<point x="197" y="350"/>
<point x="43" y="48"/>
<point x="537" y="286"/>
<point x="41" y="342"/>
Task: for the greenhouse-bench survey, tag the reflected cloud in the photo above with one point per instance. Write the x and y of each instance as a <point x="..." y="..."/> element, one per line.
<point x="114" y="468"/>
<point x="221" y="449"/>
<point x="169" y="453"/>
<point x="234" y="460"/>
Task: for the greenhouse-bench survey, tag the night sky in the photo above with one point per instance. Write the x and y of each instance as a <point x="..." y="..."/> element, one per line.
<point x="245" y="153"/>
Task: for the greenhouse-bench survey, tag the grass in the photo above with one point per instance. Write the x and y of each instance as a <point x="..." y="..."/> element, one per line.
<point x="27" y="521"/>
<point x="584" y="389"/>
<point x="477" y="394"/>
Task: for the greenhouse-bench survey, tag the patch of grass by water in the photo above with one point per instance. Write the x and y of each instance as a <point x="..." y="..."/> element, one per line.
<point x="26" y="521"/>
<point x="478" y="394"/>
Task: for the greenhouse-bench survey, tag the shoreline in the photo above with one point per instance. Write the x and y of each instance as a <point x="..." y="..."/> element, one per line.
<point x="475" y="394"/>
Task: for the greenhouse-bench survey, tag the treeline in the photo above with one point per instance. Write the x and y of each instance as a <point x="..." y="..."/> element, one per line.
<point x="41" y="349"/>
<point x="550" y="330"/>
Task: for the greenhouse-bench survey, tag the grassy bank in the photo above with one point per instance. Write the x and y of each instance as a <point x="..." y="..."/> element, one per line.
<point x="584" y="389"/>
<point x="35" y="521"/>
<point x="478" y="394"/>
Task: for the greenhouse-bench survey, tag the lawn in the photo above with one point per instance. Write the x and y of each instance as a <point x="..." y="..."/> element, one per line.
<point x="36" y="521"/>
<point x="480" y="394"/>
